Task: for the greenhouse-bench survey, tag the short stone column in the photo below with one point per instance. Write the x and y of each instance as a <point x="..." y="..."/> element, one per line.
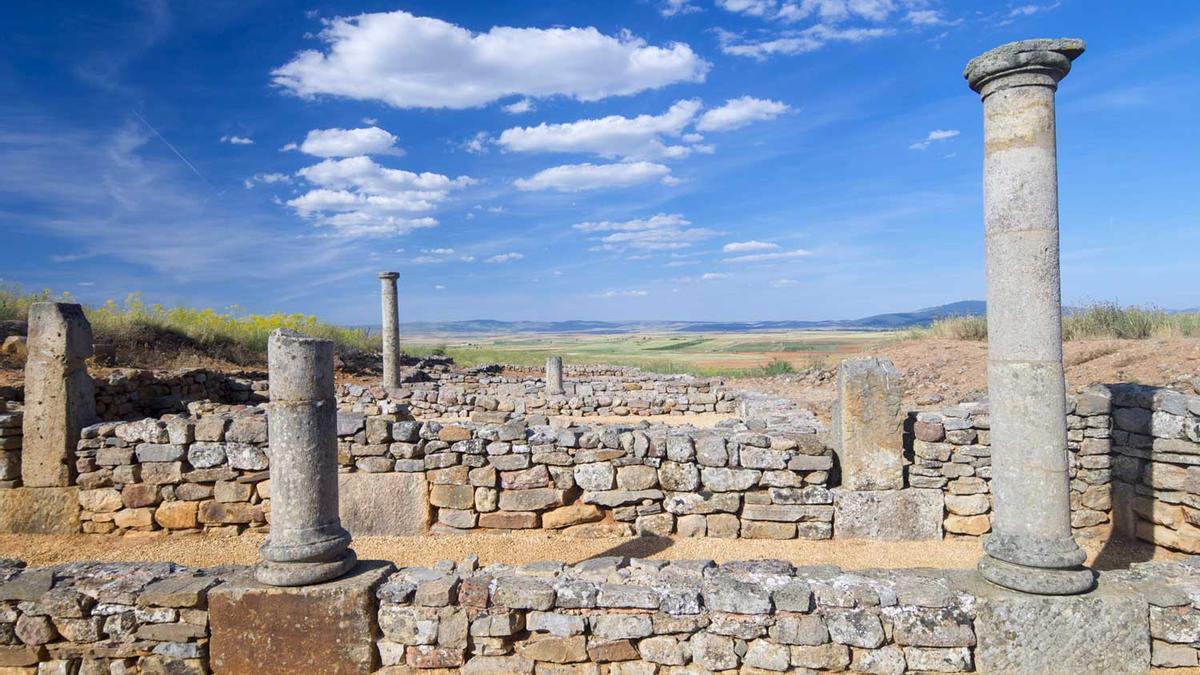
<point x="1031" y="548"/>
<point x="307" y="544"/>
<point x="391" y="328"/>
<point x="554" y="382"/>
<point x="59" y="396"/>
<point x="868" y="425"/>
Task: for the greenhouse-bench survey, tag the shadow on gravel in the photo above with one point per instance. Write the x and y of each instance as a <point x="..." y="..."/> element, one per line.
<point x="642" y="547"/>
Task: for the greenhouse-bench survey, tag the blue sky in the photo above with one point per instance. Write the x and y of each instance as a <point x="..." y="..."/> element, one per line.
<point x="656" y="159"/>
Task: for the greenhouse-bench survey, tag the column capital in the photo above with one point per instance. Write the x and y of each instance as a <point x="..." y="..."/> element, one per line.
<point x="1029" y="62"/>
<point x="389" y="275"/>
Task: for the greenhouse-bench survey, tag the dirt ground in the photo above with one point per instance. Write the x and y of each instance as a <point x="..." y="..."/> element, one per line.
<point x="943" y="372"/>
<point x="522" y="547"/>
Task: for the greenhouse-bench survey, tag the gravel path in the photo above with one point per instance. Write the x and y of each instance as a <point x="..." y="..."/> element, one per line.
<point x="201" y="550"/>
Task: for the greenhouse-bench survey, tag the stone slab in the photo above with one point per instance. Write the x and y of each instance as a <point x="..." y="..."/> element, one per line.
<point x="391" y="504"/>
<point x="1105" y="631"/>
<point x="868" y="424"/>
<point x="912" y="514"/>
<point x="326" y="628"/>
<point x="39" y="510"/>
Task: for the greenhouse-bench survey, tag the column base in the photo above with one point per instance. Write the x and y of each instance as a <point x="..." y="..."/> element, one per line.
<point x="1038" y="580"/>
<point x="304" y="573"/>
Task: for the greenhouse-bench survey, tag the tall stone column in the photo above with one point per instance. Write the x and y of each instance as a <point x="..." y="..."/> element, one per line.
<point x="59" y="396"/>
<point x="307" y="544"/>
<point x="554" y="384"/>
<point x="1031" y="548"/>
<point x="391" y="329"/>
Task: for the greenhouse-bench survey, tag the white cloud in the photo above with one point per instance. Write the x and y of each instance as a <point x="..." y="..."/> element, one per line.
<point x="784" y="283"/>
<point x="237" y="140"/>
<point x="796" y="42"/>
<point x="769" y="257"/>
<point x="419" y="62"/>
<point x="746" y="246"/>
<point x="670" y="8"/>
<point x="477" y="144"/>
<point x="624" y="294"/>
<point x="433" y="256"/>
<point x="370" y="121"/>
<point x="933" y="137"/>
<point x="1029" y="10"/>
<point x="358" y="197"/>
<point x="504" y="258"/>
<point x="439" y="287"/>
<point x="347" y="143"/>
<point x="267" y="178"/>
<point x="660" y="232"/>
<point x="713" y="276"/>
<point x="520" y="107"/>
<point x="927" y="17"/>
<point x="580" y="177"/>
<point x="738" y="112"/>
<point x="826" y="10"/>
<point x="613" y="136"/>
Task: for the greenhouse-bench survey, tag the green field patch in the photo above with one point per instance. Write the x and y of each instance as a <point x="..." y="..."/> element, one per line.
<point x="676" y="346"/>
<point x="790" y="346"/>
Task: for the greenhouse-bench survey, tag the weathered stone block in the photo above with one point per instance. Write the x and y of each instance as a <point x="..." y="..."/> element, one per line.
<point x="868" y="425"/>
<point x="888" y="515"/>
<point x="1105" y="631"/>
<point x="384" y="503"/>
<point x="327" y="628"/>
<point x="39" y="511"/>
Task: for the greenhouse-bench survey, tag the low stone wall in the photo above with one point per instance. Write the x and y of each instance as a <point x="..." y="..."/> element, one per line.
<point x="130" y="394"/>
<point x="625" y="616"/>
<point x="11" y="420"/>
<point x="210" y="473"/>
<point x="496" y="398"/>
<point x="952" y="452"/>
<point x="1156" y="446"/>
<point x="93" y="618"/>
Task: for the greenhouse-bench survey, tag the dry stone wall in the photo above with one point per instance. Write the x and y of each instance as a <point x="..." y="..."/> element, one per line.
<point x="1156" y="465"/>
<point x="615" y="615"/>
<point x="130" y="394"/>
<point x="211" y="472"/>
<point x="951" y="451"/>
<point x="494" y="397"/>
<point x="11" y="420"/>
<point x="93" y="618"/>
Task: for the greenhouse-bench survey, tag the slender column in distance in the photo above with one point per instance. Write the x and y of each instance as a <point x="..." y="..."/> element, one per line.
<point x="1031" y="547"/>
<point x="391" y="329"/>
<point x="554" y="382"/>
<point x="307" y="543"/>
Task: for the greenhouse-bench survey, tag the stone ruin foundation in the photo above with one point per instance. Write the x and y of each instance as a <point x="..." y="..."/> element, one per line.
<point x="471" y="452"/>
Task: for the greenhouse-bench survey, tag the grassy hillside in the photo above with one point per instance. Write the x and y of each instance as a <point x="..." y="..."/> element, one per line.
<point x="232" y="335"/>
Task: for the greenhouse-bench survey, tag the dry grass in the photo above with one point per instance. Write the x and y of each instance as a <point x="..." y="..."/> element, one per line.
<point x="233" y="335"/>
<point x="1098" y="321"/>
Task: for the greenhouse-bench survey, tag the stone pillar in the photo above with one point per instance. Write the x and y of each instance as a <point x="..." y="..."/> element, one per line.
<point x="307" y="544"/>
<point x="1031" y="548"/>
<point x="868" y="425"/>
<point x="59" y="396"/>
<point x="554" y="385"/>
<point x="391" y="329"/>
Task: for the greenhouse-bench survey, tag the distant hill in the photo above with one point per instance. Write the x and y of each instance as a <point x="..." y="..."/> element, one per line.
<point x="894" y="321"/>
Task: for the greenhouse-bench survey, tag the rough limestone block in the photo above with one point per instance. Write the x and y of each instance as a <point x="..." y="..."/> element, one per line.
<point x="326" y="628"/>
<point x="395" y="504"/>
<point x="1105" y="631"/>
<point x="887" y="515"/>
<point x="868" y="425"/>
<point x="59" y="396"/>
<point x="39" y="511"/>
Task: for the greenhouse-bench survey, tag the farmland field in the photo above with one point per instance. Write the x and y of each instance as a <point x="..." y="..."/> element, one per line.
<point x="729" y="354"/>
